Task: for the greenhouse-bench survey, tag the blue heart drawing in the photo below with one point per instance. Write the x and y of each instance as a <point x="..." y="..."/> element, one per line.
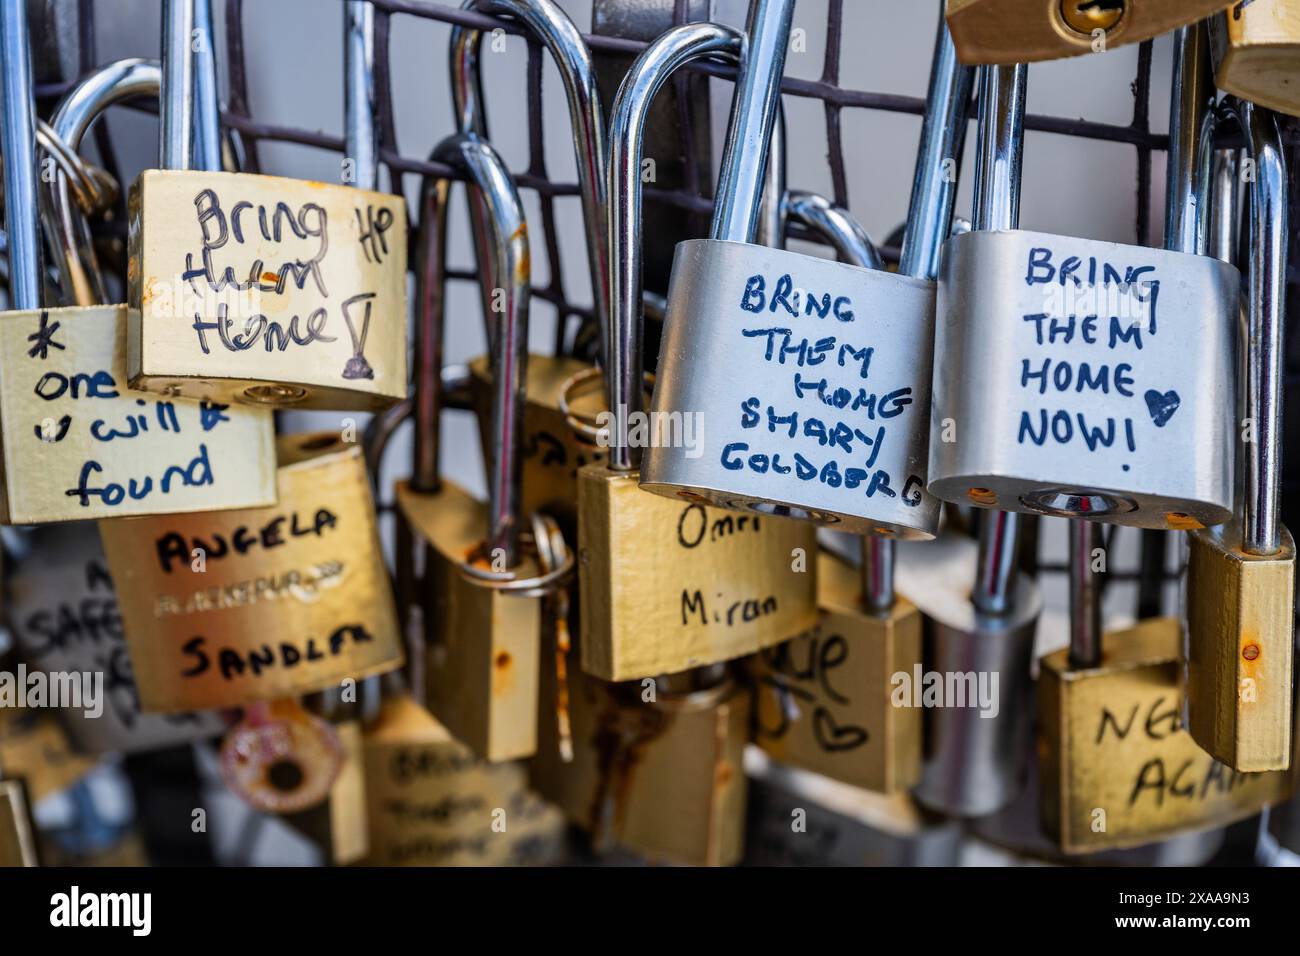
<point x="1162" y="407"/>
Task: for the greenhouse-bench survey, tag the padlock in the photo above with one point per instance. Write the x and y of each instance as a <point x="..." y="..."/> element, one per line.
<point x="238" y="290"/>
<point x="78" y="444"/>
<point x="1241" y="575"/>
<point x="707" y="585"/>
<point x="431" y="802"/>
<point x="976" y="730"/>
<point x="798" y="818"/>
<point x="484" y="628"/>
<point x="824" y="702"/>
<point x="654" y="766"/>
<point x="1088" y="379"/>
<point x="808" y="379"/>
<point x="1025" y="31"/>
<point x="17" y="830"/>
<point x="338" y="824"/>
<point x="62" y="609"/>
<point x="553" y="451"/>
<point x="1117" y="767"/>
<point x="1257" y="53"/>
<point x="225" y="609"/>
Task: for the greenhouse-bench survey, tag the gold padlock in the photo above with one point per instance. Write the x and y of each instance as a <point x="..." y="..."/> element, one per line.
<point x="654" y="766"/>
<point x="1241" y="575"/>
<point x="33" y="744"/>
<point x="1117" y="767"/>
<point x="269" y="290"/>
<point x="708" y="584"/>
<point x="1025" y="31"/>
<point x="431" y="802"/>
<point x="1257" y="49"/>
<point x="17" y="831"/>
<point x="484" y="623"/>
<point x="77" y="443"/>
<point x="338" y="824"/>
<point x="225" y="609"/>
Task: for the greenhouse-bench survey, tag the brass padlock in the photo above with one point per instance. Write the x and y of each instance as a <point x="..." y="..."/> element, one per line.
<point x="1024" y="31"/>
<point x="708" y="584"/>
<point x="62" y="609"/>
<point x="338" y="824"/>
<point x="17" y="830"/>
<point x="482" y="658"/>
<point x="826" y="702"/>
<point x="654" y="766"/>
<point x="1107" y="396"/>
<point x="431" y="802"/>
<point x="1241" y="575"/>
<point x="1257" y="50"/>
<point x="238" y="288"/>
<point x="1117" y="767"/>
<point x="78" y="444"/>
<point x="225" y="609"/>
<point x="33" y="744"/>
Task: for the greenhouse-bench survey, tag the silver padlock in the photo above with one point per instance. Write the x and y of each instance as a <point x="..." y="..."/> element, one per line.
<point x="976" y="754"/>
<point x="807" y="377"/>
<point x="1087" y="379"/>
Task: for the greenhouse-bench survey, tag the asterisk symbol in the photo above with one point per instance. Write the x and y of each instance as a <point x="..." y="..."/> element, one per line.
<point x="44" y="338"/>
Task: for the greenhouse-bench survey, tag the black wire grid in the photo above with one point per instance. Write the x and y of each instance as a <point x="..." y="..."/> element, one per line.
<point x="1153" y="569"/>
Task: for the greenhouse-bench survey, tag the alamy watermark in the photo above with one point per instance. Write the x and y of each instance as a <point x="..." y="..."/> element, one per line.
<point x="72" y="690"/>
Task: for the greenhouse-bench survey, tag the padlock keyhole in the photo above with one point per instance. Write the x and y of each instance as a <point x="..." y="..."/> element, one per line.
<point x="285" y="775"/>
<point x="1085" y="16"/>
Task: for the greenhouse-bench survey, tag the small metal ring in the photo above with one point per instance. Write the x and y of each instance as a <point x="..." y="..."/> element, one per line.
<point x="580" y="383"/>
<point x="534" y="586"/>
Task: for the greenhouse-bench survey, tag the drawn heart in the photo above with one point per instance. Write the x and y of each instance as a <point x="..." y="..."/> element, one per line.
<point x="831" y="737"/>
<point x="1162" y="407"/>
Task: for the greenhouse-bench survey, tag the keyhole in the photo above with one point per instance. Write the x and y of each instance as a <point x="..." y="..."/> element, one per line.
<point x="285" y="775"/>
<point x="1085" y="16"/>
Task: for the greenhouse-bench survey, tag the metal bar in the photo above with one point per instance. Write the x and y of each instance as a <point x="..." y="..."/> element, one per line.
<point x="18" y="144"/>
<point x="359" y="92"/>
<point x="176" y="140"/>
<point x="207" y="107"/>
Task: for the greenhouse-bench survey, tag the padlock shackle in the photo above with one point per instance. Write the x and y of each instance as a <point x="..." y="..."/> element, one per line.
<point x="999" y="161"/>
<point x="18" y="147"/>
<point x="836" y="225"/>
<point x="938" y="159"/>
<point x="207" y="108"/>
<point x="1085" y="596"/>
<point x="485" y="172"/>
<point x="647" y="75"/>
<point x="176" y="109"/>
<point x="1191" y="120"/>
<point x="360" y="113"/>
<point x="69" y="236"/>
<point x="1264" y="347"/>
<point x="754" y="108"/>
<point x="548" y="23"/>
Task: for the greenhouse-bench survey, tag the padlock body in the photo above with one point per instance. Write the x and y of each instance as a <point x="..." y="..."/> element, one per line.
<point x="664" y="779"/>
<point x="78" y="444"/>
<point x="1085" y="379"/>
<point x="1026" y="31"/>
<point x="1257" y="49"/>
<point x="17" y="833"/>
<point x="431" y="802"/>
<point x="669" y="585"/>
<point x="792" y="385"/>
<point x="483" y="642"/>
<point x="265" y="290"/>
<point x="552" y="451"/>
<point x="1118" y="768"/>
<point x="826" y="701"/>
<point x="64" y="614"/>
<point x="1240" y="650"/>
<point x="233" y="607"/>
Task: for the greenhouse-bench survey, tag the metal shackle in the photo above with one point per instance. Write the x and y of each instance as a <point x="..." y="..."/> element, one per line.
<point x="999" y="161"/>
<point x="509" y="259"/>
<point x="69" y="237"/>
<point x="360" y="116"/>
<point x="18" y="146"/>
<point x="179" y="108"/>
<point x="207" y="107"/>
<point x="1263" y="346"/>
<point x="548" y="23"/>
